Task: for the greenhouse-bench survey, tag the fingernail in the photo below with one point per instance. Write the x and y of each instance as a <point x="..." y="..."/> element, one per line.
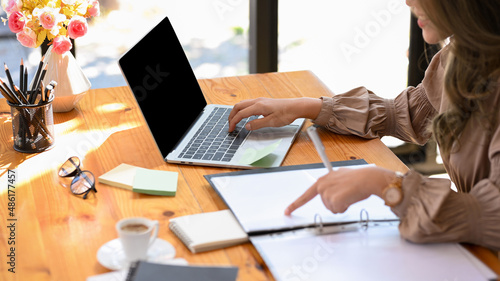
<point x="248" y="126"/>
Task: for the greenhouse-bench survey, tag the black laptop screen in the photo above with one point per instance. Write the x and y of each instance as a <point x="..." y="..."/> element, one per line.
<point x="160" y="76"/>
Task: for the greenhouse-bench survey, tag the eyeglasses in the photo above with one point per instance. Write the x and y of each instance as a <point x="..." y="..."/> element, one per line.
<point x="83" y="182"/>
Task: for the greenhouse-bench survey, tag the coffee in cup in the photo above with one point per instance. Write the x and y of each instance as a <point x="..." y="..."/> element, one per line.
<point x="136" y="236"/>
<point x="134" y="228"/>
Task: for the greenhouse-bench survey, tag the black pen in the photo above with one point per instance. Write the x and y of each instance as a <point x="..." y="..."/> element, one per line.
<point x="46" y="92"/>
<point x="49" y="89"/>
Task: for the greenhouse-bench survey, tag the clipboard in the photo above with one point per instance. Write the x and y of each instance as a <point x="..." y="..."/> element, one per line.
<point x="363" y="245"/>
<point x="258" y="198"/>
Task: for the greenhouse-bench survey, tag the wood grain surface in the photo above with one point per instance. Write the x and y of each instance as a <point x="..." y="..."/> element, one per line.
<point x="57" y="234"/>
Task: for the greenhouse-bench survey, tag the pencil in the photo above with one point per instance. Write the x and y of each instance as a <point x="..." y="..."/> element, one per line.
<point x="6" y="95"/>
<point x="20" y="95"/>
<point x="37" y="74"/>
<point x="42" y="76"/>
<point x="37" y="86"/>
<point x="25" y="81"/>
<point x="21" y="76"/>
<point x="42" y="96"/>
<point x="7" y="71"/>
<point x="35" y="78"/>
<point x="6" y="89"/>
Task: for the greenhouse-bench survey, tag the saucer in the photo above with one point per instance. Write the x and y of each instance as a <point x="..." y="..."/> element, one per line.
<point x="111" y="254"/>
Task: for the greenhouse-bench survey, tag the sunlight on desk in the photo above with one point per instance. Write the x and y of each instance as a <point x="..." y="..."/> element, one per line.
<point x="110" y="107"/>
<point x="70" y="140"/>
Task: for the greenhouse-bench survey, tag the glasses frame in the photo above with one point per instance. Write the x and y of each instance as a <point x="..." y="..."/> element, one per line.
<point x="77" y="174"/>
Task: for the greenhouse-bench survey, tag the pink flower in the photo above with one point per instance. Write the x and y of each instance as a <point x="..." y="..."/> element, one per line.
<point x="94" y="10"/>
<point x="16" y="22"/>
<point x="47" y="20"/>
<point x="49" y="17"/>
<point x="27" y="37"/>
<point x="77" y="27"/>
<point x="61" y="44"/>
<point x="13" y="6"/>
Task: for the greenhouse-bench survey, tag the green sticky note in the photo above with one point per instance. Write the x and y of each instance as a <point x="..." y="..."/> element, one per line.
<point x="155" y="182"/>
<point x="252" y="155"/>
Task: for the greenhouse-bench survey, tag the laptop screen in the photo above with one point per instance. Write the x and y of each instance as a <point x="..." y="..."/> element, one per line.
<point x="158" y="72"/>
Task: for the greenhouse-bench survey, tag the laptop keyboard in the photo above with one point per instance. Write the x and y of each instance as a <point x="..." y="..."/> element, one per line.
<point x="212" y="140"/>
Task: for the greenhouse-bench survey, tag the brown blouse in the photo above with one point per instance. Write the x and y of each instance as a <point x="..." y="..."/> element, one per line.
<point x="431" y="211"/>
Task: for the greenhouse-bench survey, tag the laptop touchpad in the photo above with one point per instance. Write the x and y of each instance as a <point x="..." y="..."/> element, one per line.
<point x="264" y="137"/>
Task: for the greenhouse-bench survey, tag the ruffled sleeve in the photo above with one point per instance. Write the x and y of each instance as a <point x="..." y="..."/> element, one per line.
<point x="360" y="112"/>
<point x="432" y="212"/>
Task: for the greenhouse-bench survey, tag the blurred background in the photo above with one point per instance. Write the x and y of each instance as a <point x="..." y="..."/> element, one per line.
<point x="345" y="43"/>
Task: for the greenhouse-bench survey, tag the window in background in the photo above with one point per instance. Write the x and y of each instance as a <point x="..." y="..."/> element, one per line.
<point x="213" y="33"/>
<point x="347" y="44"/>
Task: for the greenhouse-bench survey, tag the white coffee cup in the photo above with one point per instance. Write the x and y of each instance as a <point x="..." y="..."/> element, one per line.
<point x="136" y="236"/>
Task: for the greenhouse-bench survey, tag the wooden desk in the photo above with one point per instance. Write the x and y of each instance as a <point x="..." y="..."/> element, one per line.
<point x="57" y="234"/>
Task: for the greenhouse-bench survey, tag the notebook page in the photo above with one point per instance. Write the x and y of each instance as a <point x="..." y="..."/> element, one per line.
<point x="378" y="253"/>
<point x="259" y="200"/>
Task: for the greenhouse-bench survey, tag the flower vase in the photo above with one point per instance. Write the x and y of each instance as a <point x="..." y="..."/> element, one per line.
<point x="72" y="84"/>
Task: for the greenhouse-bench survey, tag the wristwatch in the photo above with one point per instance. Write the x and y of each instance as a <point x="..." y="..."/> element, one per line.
<point x="393" y="194"/>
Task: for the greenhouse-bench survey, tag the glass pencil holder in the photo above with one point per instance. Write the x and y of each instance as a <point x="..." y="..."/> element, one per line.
<point x="32" y="126"/>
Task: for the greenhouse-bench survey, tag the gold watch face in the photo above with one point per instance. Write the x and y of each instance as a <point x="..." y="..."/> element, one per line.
<point x="392" y="196"/>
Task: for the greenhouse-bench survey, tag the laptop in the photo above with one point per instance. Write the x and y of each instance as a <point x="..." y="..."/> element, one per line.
<point x="186" y="129"/>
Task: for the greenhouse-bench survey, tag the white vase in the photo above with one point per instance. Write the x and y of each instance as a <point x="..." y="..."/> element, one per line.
<point x="72" y="84"/>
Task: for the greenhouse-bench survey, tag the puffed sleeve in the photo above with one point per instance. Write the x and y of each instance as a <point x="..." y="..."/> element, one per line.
<point x="432" y="212"/>
<point x="360" y="112"/>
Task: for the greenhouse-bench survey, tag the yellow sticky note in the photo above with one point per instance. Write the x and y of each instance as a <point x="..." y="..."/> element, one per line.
<point x="121" y="176"/>
<point x="252" y="155"/>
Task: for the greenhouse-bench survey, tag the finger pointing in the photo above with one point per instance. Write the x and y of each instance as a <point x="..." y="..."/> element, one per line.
<point x="308" y="195"/>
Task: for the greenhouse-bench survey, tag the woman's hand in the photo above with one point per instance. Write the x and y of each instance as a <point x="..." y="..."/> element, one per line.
<point x="276" y="112"/>
<point x="344" y="187"/>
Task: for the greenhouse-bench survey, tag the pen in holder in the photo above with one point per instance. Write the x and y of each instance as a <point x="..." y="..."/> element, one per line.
<point x="32" y="126"/>
<point x="31" y="109"/>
